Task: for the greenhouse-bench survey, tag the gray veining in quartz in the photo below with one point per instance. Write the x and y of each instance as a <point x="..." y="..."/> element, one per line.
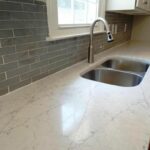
<point x="67" y="112"/>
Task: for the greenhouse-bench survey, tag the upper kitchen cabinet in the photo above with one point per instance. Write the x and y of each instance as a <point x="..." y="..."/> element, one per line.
<point x="134" y="7"/>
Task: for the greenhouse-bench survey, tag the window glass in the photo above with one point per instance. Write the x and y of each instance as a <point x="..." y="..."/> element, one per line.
<point x="77" y="11"/>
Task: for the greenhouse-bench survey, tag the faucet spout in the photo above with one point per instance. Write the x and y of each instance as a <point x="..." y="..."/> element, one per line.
<point x="109" y="37"/>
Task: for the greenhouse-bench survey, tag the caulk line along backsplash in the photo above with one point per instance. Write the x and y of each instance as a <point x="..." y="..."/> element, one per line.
<point x="26" y="56"/>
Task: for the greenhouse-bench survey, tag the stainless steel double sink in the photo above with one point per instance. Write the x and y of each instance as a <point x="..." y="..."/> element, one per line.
<point x="118" y="71"/>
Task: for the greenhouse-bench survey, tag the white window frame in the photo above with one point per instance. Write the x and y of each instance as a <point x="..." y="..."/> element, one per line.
<point x="57" y="32"/>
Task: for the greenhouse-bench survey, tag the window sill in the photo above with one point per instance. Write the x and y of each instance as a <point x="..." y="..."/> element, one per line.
<point x="71" y="36"/>
<point x="74" y="26"/>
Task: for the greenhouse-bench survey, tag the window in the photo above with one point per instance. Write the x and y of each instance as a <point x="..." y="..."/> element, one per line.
<point x="68" y="18"/>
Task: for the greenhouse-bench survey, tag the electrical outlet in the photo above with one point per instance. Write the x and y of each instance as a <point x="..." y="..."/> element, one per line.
<point x="125" y="28"/>
<point x="116" y="29"/>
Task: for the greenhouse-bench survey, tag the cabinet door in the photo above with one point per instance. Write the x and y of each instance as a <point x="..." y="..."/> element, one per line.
<point x="143" y="4"/>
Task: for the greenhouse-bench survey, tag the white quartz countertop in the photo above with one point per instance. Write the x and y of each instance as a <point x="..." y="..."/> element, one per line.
<point x="67" y="112"/>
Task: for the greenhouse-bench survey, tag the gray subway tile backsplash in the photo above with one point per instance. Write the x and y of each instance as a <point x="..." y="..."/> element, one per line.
<point x="26" y="56"/>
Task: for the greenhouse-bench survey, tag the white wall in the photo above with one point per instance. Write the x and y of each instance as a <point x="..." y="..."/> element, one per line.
<point x="141" y="28"/>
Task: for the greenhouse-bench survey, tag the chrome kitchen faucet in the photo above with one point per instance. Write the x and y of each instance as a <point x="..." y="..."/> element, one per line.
<point x="109" y="37"/>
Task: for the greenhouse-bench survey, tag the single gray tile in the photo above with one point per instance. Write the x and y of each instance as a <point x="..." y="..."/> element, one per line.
<point x="3" y="90"/>
<point x="51" y="55"/>
<point x="40" y="2"/>
<point x="6" y="33"/>
<point x="19" y="24"/>
<point x="18" y="71"/>
<point x="22" y="23"/>
<point x="45" y="9"/>
<point x="20" y="84"/>
<point x="9" y="82"/>
<point x="1" y="60"/>
<point x="7" y="67"/>
<point x="28" y="39"/>
<point x="40" y="16"/>
<point x="39" y="64"/>
<point x="43" y="44"/>
<point x="21" y="1"/>
<point x="27" y="46"/>
<point x="27" y="1"/>
<point x="8" y="24"/>
<point x="7" y="50"/>
<point x="31" y="31"/>
<point x="5" y="15"/>
<point x="23" y="32"/>
<point x="58" y="67"/>
<point x="10" y="6"/>
<point x="2" y="77"/>
<point x="39" y="51"/>
<point x="28" y="61"/>
<point x="7" y="42"/>
<point x="43" y="31"/>
<point x="46" y="68"/>
<point x="15" y="57"/>
<point x="53" y="47"/>
<point x="40" y="76"/>
<point x="30" y="74"/>
<point x="60" y="64"/>
<point x="22" y="16"/>
<point x="58" y="58"/>
<point x="33" y="8"/>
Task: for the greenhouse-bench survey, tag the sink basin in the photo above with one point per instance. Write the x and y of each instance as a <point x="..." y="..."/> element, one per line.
<point x="118" y="71"/>
<point x="113" y="77"/>
<point x="126" y="65"/>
